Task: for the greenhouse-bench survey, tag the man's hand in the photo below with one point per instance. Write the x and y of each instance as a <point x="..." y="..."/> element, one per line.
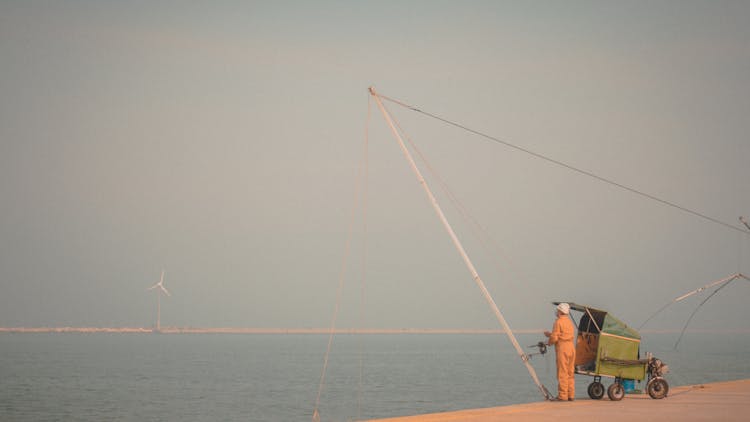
<point x="547" y="333"/>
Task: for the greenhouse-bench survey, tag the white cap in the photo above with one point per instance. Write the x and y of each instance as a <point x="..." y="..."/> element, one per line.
<point x="564" y="308"/>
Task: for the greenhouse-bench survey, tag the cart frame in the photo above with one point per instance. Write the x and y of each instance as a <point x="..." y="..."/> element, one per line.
<point x="607" y="347"/>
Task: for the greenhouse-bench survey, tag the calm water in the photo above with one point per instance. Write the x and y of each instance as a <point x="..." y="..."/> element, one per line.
<point x="141" y="377"/>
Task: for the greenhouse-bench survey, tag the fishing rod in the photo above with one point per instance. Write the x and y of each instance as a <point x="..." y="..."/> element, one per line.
<point x="724" y="282"/>
<point x="692" y="292"/>
<point x="698" y="307"/>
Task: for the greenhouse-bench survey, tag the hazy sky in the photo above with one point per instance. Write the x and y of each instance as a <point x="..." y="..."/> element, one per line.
<point x="221" y="141"/>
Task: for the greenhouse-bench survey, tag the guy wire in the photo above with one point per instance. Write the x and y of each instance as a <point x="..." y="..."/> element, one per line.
<point x="567" y="166"/>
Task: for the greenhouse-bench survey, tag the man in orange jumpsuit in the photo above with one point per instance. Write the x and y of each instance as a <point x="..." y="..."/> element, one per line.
<point x="561" y="336"/>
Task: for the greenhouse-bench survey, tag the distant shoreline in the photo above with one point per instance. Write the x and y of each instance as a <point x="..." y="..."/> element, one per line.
<point x="240" y="330"/>
<point x="194" y="330"/>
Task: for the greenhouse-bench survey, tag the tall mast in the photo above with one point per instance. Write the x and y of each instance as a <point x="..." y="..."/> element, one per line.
<point x="457" y="243"/>
<point x="158" y="311"/>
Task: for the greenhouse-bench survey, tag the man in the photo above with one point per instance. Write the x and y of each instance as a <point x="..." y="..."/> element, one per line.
<point x="561" y="336"/>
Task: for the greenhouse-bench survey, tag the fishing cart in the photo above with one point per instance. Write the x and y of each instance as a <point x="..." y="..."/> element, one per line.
<point x="607" y="347"/>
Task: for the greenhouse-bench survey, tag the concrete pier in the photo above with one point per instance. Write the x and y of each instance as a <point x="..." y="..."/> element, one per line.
<point x="720" y="401"/>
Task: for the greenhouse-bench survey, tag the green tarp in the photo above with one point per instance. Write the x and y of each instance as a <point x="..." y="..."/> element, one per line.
<point x="607" y="323"/>
<point x="616" y="327"/>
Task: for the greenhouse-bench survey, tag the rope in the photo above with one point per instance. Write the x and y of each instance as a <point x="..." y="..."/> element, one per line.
<point x="342" y="277"/>
<point x="363" y="278"/>
<point x="568" y="166"/>
<point x="485" y="240"/>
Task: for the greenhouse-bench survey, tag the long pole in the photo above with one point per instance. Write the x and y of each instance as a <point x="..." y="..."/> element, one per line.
<point x="457" y="243"/>
<point x="158" y="311"/>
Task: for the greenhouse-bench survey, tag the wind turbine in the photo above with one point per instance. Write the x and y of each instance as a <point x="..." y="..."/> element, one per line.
<point x="161" y="290"/>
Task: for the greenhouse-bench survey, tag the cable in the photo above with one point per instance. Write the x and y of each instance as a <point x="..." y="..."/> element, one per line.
<point x="568" y="166"/>
<point x="363" y="275"/>
<point x="361" y="178"/>
<point x="485" y="240"/>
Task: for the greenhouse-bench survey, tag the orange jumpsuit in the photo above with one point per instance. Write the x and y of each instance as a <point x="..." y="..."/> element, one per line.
<point x="563" y="333"/>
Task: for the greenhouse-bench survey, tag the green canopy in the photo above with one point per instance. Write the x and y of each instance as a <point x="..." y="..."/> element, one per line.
<point x="616" y="327"/>
<point x="606" y="322"/>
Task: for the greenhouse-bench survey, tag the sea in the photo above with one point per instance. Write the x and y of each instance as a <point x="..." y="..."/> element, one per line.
<point x="276" y="377"/>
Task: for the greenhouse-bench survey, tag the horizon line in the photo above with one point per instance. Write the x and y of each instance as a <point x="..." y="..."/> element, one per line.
<point x="258" y="330"/>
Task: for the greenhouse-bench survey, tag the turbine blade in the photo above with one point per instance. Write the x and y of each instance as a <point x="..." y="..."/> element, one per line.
<point x="163" y="289"/>
<point x="153" y="287"/>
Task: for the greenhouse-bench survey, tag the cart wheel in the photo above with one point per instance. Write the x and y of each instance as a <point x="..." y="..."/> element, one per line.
<point x="616" y="392"/>
<point x="657" y="388"/>
<point x="596" y="390"/>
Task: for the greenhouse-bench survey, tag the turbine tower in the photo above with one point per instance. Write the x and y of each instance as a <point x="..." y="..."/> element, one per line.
<point x="159" y="292"/>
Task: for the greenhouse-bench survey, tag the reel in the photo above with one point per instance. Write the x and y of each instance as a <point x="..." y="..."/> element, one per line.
<point x="542" y="349"/>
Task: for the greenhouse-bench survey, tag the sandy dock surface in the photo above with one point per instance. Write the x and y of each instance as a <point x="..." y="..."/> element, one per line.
<point x="720" y="401"/>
